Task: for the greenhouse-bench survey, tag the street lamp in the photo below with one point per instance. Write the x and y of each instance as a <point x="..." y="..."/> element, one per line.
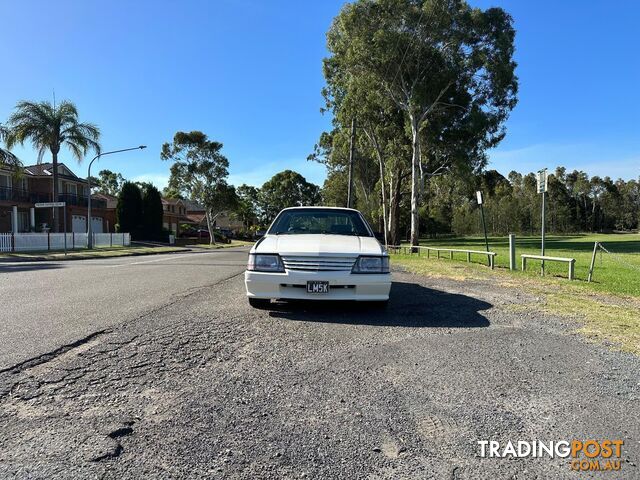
<point x="89" y="239"/>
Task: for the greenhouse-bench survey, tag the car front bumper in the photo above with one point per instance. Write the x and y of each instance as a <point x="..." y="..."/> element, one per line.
<point x="342" y="285"/>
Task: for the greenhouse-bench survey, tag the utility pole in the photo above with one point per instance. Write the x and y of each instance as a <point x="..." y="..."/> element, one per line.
<point x="352" y="148"/>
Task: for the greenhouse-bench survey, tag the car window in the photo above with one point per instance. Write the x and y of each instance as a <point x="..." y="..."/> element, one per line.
<point x="317" y="221"/>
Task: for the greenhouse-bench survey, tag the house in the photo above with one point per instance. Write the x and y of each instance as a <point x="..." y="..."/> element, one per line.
<point x="224" y="221"/>
<point x="19" y="194"/>
<point x="174" y="211"/>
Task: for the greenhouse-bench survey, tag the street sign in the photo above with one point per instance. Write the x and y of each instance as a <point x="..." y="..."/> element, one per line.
<point x="542" y="178"/>
<point x="50" y="204"/>
<point x="479" y="197"/>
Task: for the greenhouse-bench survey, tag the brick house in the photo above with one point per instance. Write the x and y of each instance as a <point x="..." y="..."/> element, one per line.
<point x="19" y="194"/>
<point x="174" y="211"/>
<point x="196" y="216"/>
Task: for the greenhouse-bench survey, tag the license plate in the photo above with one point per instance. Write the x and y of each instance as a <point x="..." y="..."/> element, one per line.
<point x="317" y="287"/>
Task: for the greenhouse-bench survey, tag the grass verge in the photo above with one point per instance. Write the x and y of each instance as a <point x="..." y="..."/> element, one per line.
<point x="608" y="318"/>
<point x="87" y="254"/>
<point x="617" y="272"/>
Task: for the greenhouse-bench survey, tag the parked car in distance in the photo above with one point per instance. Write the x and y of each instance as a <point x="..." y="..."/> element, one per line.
<point x="318" y="253"/>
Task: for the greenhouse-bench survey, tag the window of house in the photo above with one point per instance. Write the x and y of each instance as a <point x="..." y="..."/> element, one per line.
<point x="72" y="188"/>
<point x="5" y="181"/>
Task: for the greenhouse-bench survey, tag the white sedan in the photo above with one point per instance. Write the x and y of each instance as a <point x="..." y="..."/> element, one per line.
<point x="318" y="253"/>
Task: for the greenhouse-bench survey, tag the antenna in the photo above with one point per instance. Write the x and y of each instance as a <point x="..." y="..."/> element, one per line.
<point x="54" y="98"/>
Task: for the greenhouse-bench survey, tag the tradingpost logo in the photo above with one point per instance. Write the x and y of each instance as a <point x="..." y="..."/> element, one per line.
<point x="584" y="455"/>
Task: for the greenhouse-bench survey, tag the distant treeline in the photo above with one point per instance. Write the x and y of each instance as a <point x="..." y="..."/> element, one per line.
<point x="575" y="203"/>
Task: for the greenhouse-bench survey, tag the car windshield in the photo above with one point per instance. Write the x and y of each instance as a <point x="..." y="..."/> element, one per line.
<point x="318" y="221"/>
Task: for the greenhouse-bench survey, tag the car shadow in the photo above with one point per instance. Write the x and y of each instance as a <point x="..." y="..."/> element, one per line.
<point x="410" y="305"/>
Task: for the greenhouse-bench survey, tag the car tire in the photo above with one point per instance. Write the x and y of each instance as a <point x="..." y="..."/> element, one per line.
<point x="259" y="302"/>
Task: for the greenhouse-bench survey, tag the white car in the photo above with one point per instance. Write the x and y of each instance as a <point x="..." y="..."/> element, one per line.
<point x="318" y="253"/>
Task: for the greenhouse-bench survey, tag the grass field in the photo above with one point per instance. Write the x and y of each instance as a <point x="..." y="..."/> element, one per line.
<point x="617" y="272"/>
<point x="609" y="307"/>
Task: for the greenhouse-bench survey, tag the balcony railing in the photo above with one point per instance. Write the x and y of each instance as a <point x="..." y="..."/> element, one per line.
<point x="80" y="200"/>
<point x="10" y="194"/>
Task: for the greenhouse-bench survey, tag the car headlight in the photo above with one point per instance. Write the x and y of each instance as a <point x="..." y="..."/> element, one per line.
<point x="371" y="265"/>
<point x="264" y="263"/>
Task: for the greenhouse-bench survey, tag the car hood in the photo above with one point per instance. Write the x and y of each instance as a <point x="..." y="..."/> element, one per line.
<point x="318" y="245"/>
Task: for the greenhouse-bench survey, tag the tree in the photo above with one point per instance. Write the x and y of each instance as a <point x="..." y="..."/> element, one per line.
<point x="152" y="212"/>
<point x="108" y="182"/>
<point x="129" y="209"/>
<point x="199" y="172"/>
<point x="446" y="66"/>
<point x="247" y="209"/>
<point x="51" y="127"/>
<point x="286" y="189"/>
<point x="6" y="157"/>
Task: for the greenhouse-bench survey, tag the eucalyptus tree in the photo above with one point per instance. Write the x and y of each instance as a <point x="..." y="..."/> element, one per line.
<point x="199" y="172"/>
<point x="444" y="64"/>
<point x="51" y="127"/>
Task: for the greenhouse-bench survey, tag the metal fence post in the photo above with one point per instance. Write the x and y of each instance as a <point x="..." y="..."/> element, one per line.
<point x="593" y="261"/>
<point x="468" y="257"/>
<point x="572" y="269"/>
<point x="512" y="252"/>
<point x="524" y="263"/>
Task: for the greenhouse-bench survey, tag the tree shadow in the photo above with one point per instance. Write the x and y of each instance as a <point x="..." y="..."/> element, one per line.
<point x="27" y="267"/>
<point x="410" y="305"/>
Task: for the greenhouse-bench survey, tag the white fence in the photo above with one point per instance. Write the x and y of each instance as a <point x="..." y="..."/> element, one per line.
<point x="32" y="242"/>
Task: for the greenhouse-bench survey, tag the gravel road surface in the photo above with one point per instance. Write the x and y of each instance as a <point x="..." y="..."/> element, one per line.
<point x="199" y="385"/>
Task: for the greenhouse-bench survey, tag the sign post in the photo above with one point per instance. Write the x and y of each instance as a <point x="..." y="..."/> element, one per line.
<point x="55" y="205"/>
<point x="542" y="181"/>
<point x="484" y="225"/>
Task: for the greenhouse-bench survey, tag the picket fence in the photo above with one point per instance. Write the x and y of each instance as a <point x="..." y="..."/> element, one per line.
<point x="38" y="242"/>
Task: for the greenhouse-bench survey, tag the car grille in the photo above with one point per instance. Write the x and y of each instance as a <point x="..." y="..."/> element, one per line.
<point x="318" y="264"/>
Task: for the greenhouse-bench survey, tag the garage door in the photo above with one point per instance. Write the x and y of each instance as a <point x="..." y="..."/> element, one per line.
<point x="96" y="225"/>
<point x="79" y="224"/>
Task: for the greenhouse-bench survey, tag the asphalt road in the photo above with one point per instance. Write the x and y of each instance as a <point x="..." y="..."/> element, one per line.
<point x="49" y="304"/>
<point x="199" y="385"/>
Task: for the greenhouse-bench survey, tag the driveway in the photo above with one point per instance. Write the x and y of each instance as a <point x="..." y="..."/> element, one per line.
<point x="203" y="386"/>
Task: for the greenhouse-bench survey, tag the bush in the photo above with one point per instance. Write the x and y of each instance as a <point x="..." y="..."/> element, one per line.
<point x="129" y="209"/>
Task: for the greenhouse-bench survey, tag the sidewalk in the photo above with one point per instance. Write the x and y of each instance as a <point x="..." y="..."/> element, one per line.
<point x="88" y="254"/>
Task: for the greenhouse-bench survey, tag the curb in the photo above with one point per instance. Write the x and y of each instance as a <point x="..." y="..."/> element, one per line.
<point x="89" y="257"/>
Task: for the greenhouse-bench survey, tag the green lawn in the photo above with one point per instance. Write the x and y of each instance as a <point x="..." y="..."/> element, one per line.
<point x="609" y="307"/>
<point x="618" y="272"/>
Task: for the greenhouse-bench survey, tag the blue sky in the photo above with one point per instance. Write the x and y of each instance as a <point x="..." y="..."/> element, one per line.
<point x="248" y="73"/>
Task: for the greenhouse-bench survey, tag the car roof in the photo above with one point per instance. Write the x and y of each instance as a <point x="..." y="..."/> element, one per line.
<point x="318" y="207"/>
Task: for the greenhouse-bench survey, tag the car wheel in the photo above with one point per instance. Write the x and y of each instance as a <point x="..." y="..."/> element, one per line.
<point x="259" y="302"/>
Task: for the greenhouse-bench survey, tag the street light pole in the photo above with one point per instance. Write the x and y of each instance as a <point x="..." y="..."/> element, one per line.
<point x="89" y="233"/>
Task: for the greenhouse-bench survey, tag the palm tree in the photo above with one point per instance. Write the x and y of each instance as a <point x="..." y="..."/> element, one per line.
<point x="6" y="157"/>
<point x="50" y="127"/>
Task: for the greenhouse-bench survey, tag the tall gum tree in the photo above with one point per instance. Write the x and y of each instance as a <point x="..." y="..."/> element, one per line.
<point x="444" y="64"/>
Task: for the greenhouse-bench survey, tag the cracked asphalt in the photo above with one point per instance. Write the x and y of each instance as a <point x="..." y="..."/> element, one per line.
<point x="196" y="384"/>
